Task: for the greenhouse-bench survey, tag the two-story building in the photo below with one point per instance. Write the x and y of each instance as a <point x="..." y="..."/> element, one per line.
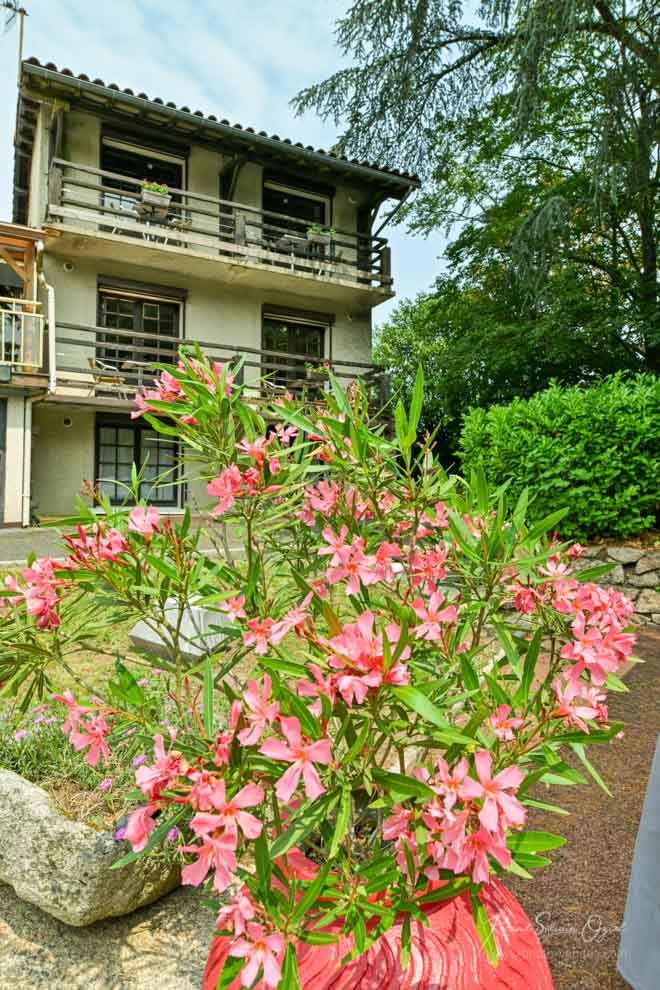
<point x="248" y="244"/>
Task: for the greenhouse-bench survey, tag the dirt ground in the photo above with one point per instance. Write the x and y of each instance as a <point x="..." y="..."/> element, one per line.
<point x="577" y="903"/>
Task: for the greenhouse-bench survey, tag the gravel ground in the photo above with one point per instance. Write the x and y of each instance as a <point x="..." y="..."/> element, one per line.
<point x="577" y="903"/>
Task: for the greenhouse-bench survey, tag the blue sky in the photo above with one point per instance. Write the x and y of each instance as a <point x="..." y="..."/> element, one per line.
<point x="243" y="61"/>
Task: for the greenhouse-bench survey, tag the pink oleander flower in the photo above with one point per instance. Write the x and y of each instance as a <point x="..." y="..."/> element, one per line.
<point x="226" y="487"/>
<point x="75" y="713"/>
<point x="231" y="815"/>
<point x="302" y="757"/>
<point x="259" y="634"/>
<point x="434" y="617"/>
<point x="334" y="544"/>
<point x="285" y="434"/>
<point x="503" y="725"/>
<point x="256" y="449"/>
<point x="93" y="734"/>
<point x="353" y="566"/>
<point x="139" y="827"/>
<point x="497" y="801"/>
<point x="165" y="770"/>
<point x="261" y="951"/>
<point x="474" y="851"/>
<point x="449" y="783"/>
<point x="216" y="852"/>
<point x="591" y="652"/>
<point x="318" y="688"/>
<point x="237" y="913"/>
<point x="144" y="521"/>
<point x="234" y="607"/>
<point x="592" y="707"/>
<point x="428" y="567"/>
<point x="261" y="711"/>
<point x="357" y="652"/>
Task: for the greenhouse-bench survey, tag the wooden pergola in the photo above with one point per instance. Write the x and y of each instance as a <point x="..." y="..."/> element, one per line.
<point x="18" y="249"/>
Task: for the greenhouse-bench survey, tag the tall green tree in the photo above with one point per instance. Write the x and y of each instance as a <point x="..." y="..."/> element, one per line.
<point x="556" y="102"/>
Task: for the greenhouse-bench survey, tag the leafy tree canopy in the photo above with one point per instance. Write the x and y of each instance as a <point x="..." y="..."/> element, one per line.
<point x="546" y="109"/>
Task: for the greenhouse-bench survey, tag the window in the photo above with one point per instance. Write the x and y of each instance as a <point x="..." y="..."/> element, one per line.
<point x="136" y="163"/>
<point x="121" y="443"/>
<point x="299" y="209"/>
<point x="298" y="336"/>
<point x="154" y="330"/>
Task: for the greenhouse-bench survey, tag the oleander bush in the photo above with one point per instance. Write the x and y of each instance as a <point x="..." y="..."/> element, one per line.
<point x="591" y="450"/>
<point x="404" y="660"/>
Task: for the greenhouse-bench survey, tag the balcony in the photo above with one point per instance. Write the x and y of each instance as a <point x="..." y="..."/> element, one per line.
<point x="105" y="368"/>
<point x="21" y="335"/>
<point x="195" y="231"/>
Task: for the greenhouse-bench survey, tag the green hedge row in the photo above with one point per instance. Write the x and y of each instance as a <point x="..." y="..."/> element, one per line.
<point x="594" y="449"/>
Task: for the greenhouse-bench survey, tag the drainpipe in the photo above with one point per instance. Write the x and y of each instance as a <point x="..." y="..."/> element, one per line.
<point x="50" y="309"/>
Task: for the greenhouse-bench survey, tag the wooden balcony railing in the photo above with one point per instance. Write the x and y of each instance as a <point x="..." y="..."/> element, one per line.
<point x="100" y="363"/>
<point x="21" y="334"/>
<point x="113" y="203"/>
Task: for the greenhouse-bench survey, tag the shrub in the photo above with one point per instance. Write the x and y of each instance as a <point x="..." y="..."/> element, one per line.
<point x="591" y="450"/>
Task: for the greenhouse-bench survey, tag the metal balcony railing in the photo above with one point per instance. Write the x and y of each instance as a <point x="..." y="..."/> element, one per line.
<point x="114" y="203"/>
<point x="21" y="334"/>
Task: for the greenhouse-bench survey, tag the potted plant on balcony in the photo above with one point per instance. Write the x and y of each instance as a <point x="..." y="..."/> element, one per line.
<point x="318" y="234"/>
<point x="156" y="196"/>
<point x="405" y="660"/>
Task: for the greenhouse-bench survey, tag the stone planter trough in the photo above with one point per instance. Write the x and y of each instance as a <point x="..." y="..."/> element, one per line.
<point x="63" y="866"/>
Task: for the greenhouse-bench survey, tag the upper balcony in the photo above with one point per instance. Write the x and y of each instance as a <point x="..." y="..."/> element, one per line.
<point x="113" y="217"/>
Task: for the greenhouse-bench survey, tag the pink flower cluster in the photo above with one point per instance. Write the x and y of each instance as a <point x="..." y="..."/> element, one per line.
<point x="90" y="735"/>
<point x="466" y="821"/>
<point x="167" y="388"/>
<point x="39" y="591"/>
<point x="233" y="483"/>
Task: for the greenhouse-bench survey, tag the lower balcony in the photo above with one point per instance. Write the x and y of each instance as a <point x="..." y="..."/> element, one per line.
<point x="105" y="368"/>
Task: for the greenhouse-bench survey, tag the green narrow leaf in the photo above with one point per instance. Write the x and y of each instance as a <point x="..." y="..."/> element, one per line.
<point x="578" y="749"/>
<point x="290" y="979"/>
<point x="533" y="842"/>
<point x="397" y="783"/>
<point x="306" y="818"/>
<point x="209" y="691"/>
<point x="405" y="943"/>
<point x="263" y="862"/>
<point x="341" y="825"/>
<point x="416" y="401"/>
<point x="419" y="703"/>
<point x="529" y="668"/>
<point x="468" y="673"/>
<point x="484" y="930"/>
<point x="232" y="967"/>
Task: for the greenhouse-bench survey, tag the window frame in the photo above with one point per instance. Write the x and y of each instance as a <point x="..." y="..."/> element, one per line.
<point x="301" y="194"/>
<point x="139" y="295"/>
<point x="138" y="428"/>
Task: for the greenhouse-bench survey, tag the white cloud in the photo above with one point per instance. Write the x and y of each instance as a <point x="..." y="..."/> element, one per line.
<point x="243" y="61"/>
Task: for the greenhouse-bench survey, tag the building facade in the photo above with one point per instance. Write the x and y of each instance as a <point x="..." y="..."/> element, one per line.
<point x="147" y="228"/>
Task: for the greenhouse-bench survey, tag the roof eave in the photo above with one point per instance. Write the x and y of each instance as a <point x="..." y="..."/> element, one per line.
<point x="397" y="185"/>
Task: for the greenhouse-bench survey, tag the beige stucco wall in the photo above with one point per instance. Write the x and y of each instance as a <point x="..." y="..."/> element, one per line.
<point x="62" y="456"/>
<point x="18" y="412"/>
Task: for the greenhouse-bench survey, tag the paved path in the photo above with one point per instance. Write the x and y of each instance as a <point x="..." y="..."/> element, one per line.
<point x="162" y="947"/>
<point x="17" y="544"/>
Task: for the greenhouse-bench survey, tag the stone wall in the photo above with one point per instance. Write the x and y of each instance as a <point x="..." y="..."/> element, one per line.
<point x="637" y="573"/>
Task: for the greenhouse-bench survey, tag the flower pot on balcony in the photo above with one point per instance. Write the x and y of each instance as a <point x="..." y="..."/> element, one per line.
<point x="317" y="238"/>
<point x="159" y="203"/>
<point x="446" y="955"/>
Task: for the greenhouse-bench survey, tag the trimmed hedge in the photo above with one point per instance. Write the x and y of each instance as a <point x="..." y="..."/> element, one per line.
<point x="594" y="449"/>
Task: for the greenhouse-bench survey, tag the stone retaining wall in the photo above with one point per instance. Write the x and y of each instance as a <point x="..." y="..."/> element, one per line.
<point x="637" y="573"/>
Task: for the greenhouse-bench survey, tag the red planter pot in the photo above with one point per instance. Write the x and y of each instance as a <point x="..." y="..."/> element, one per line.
<point x="447" y="955"/>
